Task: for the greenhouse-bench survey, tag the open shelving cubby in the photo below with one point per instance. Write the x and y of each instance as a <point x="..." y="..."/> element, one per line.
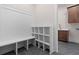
<point x="47" y="39"/>
<point x="46" y="31"/>
<point x="36" y="30"/>
<point x="41" y="37"/>
<point x="44" y="37"/>
<point x="41" y="30"/>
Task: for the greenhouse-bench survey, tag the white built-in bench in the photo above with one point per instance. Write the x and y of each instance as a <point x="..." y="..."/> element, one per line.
<point x="16" y="41"/>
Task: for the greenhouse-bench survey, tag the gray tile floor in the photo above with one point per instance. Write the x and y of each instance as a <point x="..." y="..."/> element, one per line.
<point x="68" y="48"/>
<point x="33" y="51"/>
<point x="64" y="49"/>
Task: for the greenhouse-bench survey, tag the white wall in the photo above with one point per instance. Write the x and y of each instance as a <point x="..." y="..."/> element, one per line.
<point x="15" y="23"/>
<point x="46" y="14"/>
<point x="63" y="20"/>
<point x="62" y="17"/>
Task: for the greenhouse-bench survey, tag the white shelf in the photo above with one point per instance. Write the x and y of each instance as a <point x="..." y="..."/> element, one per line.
<point x="36" y="33"/>
<point x="44" y="37"/>
<point x="39" y="34"/>
<point x="47" y="39"/>
<point x="36" y="29"/>
<point x="42" y="34"/>
<point x="43" y="42"/>
<point x="41" y="37"/>
<point x="46" y="30"/>
<point x="41" y="30"/>
<point x="46" y="34"/>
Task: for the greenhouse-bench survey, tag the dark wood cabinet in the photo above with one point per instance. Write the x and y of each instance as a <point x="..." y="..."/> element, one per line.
<point x="63" y="35"/>
<point x="73" y="14"/>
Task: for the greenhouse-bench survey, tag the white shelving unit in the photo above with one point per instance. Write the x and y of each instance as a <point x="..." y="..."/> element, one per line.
<point x="44" y="37"/>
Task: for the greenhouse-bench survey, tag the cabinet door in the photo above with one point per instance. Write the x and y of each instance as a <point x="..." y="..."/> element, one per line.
<point x="73" y="15"/>
<point x="63" y="35"/>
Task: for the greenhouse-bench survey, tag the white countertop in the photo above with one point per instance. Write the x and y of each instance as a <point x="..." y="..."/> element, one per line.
<point x="64" y="29"/>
